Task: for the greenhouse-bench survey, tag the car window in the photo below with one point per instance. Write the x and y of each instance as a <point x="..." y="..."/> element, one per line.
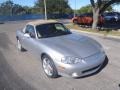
<point x="30" y="30"/>
<point x="110" y="14"/>
<point x="51" y="30"/>
<point x="58" y="27"/>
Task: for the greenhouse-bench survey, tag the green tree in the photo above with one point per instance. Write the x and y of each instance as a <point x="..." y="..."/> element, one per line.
<point x="17" y="9"/>
<point x="88" y="9"/>
<point x="98" y="7"/>
<point x="6" y="8"/>
<point x="27" y="10"/>
<point x="85" y="9"/>
<point x="54" y="6"/>
<point x="9" y="8"/>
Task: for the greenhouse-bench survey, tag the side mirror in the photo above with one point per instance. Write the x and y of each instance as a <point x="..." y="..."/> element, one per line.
<point x="27" y="35"/>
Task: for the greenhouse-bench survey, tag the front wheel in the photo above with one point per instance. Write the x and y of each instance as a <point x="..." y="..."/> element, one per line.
<point x="49" y="67"/>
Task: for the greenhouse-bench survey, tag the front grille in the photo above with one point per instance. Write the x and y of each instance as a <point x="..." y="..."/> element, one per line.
<point x="90" y="69"/>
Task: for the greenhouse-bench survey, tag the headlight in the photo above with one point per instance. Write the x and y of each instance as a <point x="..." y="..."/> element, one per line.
<point x="71" y="60"/>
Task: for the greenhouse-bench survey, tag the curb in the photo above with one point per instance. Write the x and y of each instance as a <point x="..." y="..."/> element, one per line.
<point x="101" y="35"/>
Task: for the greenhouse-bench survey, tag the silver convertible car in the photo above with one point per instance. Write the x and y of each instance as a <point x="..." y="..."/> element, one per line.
<point x="61" y="51"/>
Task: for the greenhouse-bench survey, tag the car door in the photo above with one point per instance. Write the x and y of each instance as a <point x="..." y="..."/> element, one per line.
<point x="29" y="42"/>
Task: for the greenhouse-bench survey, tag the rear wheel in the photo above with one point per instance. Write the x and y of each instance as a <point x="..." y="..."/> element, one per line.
<point x="75" y="21"/>
<point x="49" y="67"/>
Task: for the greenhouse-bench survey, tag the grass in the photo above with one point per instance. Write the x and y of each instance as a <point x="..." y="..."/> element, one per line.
<point x="104" y="32"/>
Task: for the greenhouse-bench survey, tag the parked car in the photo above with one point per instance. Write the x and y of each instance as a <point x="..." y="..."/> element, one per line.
<point x="111" y="17"/>
<point x="86" y="19"/>
<point x="61" y="51"/>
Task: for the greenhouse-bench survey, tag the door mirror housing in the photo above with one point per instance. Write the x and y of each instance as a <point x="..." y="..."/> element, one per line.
<point x="27" y="35"/>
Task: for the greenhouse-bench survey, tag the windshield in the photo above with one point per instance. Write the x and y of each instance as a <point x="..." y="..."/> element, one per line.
<point x="51" y="30"/>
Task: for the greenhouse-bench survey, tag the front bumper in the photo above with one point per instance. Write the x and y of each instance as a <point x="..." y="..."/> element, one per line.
<point x="88" y="66"/>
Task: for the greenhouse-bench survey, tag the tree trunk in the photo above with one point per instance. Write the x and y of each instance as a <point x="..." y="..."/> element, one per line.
<point x="95" y="18"/>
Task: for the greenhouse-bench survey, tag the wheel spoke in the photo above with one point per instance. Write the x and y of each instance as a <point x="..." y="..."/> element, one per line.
<point x="19" y="45"/>
<point x="47" y="67"/>
<point x="49" y="70"/>
<point x="44" y="63"/>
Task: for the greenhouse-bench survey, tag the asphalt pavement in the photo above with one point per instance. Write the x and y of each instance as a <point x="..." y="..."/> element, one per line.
<point x="23" y="71"/>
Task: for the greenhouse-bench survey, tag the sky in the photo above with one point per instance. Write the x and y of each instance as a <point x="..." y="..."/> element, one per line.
<point x="74" y="4"/>
<point x="71" y="2"/>
<point x="77" y="4"/>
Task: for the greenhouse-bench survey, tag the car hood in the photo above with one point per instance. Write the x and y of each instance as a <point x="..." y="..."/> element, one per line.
<point x="72" y="45"/>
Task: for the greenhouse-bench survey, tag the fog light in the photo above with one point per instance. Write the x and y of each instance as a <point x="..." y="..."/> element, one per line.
<point x="74" y="75"/>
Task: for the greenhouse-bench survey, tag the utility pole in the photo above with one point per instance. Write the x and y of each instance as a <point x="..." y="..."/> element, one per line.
<point x="11" y="11"/>
<point x="75" y="9"/>
<point x="45" y="10"/>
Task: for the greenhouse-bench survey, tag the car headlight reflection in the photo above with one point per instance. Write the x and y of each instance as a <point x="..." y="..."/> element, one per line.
<point x="71" y="60"/>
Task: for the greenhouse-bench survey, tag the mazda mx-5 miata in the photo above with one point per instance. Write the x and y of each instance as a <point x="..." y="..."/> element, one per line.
<point x="61" y="51"/>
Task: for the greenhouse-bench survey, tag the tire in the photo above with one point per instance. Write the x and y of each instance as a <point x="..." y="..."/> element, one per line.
<point x="75" y="21"/>
<point x="19" y="46"/>
<point x="49" y="67"/>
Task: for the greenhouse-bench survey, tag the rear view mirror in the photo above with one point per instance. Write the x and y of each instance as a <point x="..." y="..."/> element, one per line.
<point x="27" y="35"/>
